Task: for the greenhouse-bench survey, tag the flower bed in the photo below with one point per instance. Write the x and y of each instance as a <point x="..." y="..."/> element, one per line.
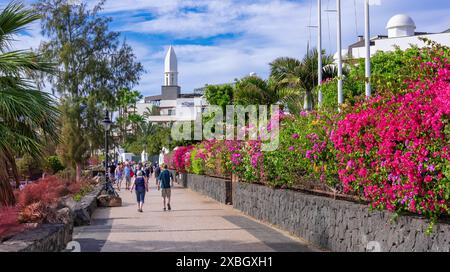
<point x="37" y="204"/>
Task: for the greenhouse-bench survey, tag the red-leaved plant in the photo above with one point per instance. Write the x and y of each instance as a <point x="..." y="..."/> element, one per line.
<point x="9" y="223"/>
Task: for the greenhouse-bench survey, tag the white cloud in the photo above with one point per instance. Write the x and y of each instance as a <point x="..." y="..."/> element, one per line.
<point x="30" y="38"/>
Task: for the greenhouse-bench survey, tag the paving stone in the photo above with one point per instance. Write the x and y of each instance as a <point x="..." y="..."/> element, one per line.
<point x="195" y="223"/>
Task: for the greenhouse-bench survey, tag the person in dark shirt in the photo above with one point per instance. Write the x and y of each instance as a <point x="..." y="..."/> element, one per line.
<point x="164" y="183"/>
<point x="146" y="172"/>
<point x="157" y="172"/>
<point x="141" y="186"/>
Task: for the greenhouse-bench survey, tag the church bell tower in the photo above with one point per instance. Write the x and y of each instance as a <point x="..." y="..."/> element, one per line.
<point x="170" y="88"/>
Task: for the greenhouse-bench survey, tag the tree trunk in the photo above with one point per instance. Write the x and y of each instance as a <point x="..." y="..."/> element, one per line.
<point x="10" y="163"/>
<point x="6" y="192"/>
<point x="307" y="105"/>
<point x="78" y="172"/>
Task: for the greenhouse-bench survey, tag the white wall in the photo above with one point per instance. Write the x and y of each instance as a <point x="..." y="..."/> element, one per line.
<point x="162" y="118"/>
<point x="142" y="107"/>
<point x="168" y="103"/>
<point x="189" y="108"/>
<point x="403" y="42"/>
<point x="186" y="109"/>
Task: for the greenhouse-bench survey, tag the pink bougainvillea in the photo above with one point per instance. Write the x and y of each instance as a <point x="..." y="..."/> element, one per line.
<point x="181" y="158"/>
<point x="388" y="149"/>
<point x="392" y="149"/>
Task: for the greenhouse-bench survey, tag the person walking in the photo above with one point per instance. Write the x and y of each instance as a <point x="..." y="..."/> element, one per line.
<point x="127" y="176"/>
<point x="112" y="169"/>
<point x="141" y="186"/>
<point x="157" y="172"/>
<point x="119" y="175"/>
<point x="165" y="179"/>
<point x="147" y="172"/>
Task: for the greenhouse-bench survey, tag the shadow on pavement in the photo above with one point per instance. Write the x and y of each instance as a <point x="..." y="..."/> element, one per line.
<point x="267" y="235"/>
<point x="178" y="246"/>
<point x="92" y="238"/>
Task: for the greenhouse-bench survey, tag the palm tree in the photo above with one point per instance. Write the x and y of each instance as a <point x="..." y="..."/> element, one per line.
<point x="126" y="99"/>
<point x="302" y="75"/>
<point x="27" y="116"/>
<point x="136" y="121"/>
<point x="151" y="111"/>
<point x="253" y="90"/>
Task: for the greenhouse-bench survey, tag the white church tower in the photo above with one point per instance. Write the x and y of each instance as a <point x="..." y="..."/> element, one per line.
<point x="171" y="68"/>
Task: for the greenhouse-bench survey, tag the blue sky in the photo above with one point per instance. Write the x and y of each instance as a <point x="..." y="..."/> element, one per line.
<point x="217" y="41"/>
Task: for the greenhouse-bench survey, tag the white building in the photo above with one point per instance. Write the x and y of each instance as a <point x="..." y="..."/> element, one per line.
<point x="401" y="32"/>
<point x="171" y="105"/>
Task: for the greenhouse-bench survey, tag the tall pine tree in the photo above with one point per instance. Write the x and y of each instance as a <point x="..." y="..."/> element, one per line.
<point x="93" y="65"/>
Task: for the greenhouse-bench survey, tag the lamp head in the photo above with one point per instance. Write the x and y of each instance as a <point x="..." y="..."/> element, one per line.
<point x="106" y="121"/>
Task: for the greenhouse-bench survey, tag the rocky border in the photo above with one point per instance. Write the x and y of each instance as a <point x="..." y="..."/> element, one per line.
<point x="43" y="238"/>
<point x="84" y="209"/>
<point x="55" y="237"/>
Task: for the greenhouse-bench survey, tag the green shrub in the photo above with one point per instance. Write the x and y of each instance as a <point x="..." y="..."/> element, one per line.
<point x="197" y="163"/>
<point x="85" y="189"/>
<point x="54" y="164"/>
<point x="352" y="89"/>
<point x="29" y="166"/>
<point x="392" y="70"/>
<point x="68" y="174"/>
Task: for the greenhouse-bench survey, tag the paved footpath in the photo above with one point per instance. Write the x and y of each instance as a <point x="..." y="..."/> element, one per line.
<point x="196" y="223"/>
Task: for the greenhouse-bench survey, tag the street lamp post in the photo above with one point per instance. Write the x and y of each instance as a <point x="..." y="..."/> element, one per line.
<point x="107" y="125"/>
<point x="339" y="52"/>
<point x="367" y="46"/>
<point x="319" y="50"/>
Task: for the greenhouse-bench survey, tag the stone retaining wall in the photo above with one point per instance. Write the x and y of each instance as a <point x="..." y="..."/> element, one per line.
<point x="86" y="206"/>
<point x="44" y="238"/>
<point x="216" y="188"/>
<point x="83" y="209"/>
<point x="338" y="225"/>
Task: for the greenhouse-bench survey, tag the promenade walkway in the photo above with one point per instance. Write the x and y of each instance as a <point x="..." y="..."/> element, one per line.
<point x="195" y="223"/>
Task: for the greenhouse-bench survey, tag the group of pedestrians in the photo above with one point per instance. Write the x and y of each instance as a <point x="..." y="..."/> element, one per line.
<point x="136" y="177"/>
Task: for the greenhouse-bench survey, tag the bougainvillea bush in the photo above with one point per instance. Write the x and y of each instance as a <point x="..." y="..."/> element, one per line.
<point x="305" y="155"/>
<point x="216" y="157"/>
<point x="392" y="150"/>
<point x="395" y="151"/>
<point x="181" y="158"/>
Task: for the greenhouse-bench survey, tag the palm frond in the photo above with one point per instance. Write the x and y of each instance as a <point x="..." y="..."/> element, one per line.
<point x="14" y="19"/>
<point x="19" y="62"/>
<point x="34" y="108"/>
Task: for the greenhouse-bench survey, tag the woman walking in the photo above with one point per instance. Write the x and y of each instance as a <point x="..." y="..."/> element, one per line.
<point x="141" y="186"/>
